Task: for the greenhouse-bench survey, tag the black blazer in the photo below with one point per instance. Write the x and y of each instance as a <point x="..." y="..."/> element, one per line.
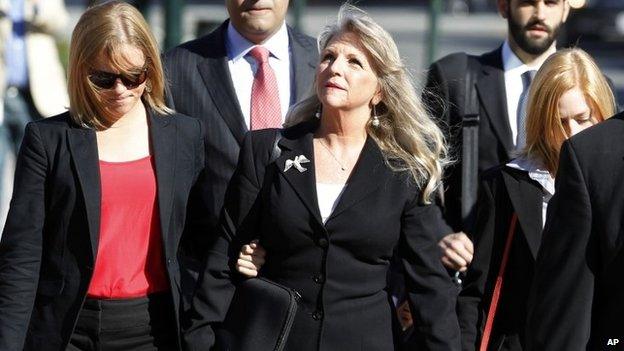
<point x="51" y="234"/>
<point x="201" y="87"/>
<point x="444" y="94"/>
<point x="339" y="267"/>
<point x="576" y="299"/>
<point x="503" y="191"/>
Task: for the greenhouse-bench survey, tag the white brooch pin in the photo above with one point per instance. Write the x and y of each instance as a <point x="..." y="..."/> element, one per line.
<point x="296" y="163"/>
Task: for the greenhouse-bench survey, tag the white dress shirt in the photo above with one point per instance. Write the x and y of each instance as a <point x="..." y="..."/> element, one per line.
<point x="514" y="68"/>
<point x="243" y="67"/>
<point x="538" y="173"/>
<point x="328" y="196"/>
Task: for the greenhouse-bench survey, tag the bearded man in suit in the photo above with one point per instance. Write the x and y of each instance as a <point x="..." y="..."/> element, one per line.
<point x="500" y="85"/>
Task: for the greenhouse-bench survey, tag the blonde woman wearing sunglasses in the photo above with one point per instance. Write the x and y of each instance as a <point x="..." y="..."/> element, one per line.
<point x="102" y="204"/>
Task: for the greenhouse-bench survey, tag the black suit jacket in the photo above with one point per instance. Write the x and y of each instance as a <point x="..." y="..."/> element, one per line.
<point x="339" y="267"/>
<point x="51" y="234"/>
<point x="576" y="299"/>
<point x="201" y="87"/>
<point x="503" y="191"/>
<point x="444" y="94"/>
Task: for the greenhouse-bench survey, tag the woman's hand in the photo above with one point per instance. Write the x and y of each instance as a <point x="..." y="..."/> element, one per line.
<point x="250" y="259"/>
<point x="457" y="251"/>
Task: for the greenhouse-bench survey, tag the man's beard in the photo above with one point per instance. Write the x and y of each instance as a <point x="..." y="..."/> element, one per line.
<point x="529" y="45"/>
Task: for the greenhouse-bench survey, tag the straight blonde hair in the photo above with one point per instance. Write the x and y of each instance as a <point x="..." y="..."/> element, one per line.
<point x="407" y="136"/>
<point x="566" y="69"/>
<point x="106" y="29"/>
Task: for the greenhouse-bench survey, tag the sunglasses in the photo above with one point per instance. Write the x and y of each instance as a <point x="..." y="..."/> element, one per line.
<point x="106" y="80"/>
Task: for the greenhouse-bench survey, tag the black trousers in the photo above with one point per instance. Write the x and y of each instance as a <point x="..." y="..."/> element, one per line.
<point x="145" y="323"/>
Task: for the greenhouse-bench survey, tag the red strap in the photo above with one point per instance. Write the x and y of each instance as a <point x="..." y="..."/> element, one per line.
<point x="485" y="340"/>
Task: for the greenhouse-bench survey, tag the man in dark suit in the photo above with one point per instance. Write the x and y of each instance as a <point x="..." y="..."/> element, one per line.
<point x="501" y="80"/>
<point x="576" y="297"/>
<point x="212" y="79"/>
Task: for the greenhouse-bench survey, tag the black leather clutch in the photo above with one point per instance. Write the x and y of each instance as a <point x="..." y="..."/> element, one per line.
<point x="259" y="318"/>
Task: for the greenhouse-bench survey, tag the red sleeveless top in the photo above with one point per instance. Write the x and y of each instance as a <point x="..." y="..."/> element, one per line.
<point x="129" y="259"/>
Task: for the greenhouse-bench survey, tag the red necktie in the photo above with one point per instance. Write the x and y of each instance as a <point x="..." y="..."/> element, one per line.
<point x="265" y="103"/>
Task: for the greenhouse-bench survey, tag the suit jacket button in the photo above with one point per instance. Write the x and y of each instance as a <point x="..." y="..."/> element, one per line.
<point x="318" y="278"/>
<point x="317" y="315"/>
<point x="323" y="243"/>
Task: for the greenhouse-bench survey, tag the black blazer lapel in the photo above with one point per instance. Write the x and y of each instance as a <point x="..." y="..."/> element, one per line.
<point x="163" y="138"/>
<point x="216" y="76"/>
<point x="526" y="198"/>
<point x="84" y="153"/>
<point x="303" y="63"/>
<point x="369" y="173"/>
<point x="491" y="90"/>
<point x="304" y="183"/>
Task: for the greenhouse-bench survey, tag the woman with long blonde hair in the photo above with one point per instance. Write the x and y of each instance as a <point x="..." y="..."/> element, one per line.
<point x="359" y="164"/>
<point x="569" y="94"/>
<point x="89" y="254"/>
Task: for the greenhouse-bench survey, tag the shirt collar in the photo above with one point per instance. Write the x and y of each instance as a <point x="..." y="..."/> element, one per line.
<point x="511" y="62"/>
<point x="536" y="171"/>
<point x="238" y="46"/>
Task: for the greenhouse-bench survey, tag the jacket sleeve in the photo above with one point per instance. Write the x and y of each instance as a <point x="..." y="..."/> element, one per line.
<point x="470" y="311"/>
<point x="21" y="245"/>
<point x="198" y="233"/>
<point x="443" y="95"/>
<point x="216" y="282"/>
<point x="436" y="95"/>
<point x="431" y="293"/>
<point x="560" y="303"/>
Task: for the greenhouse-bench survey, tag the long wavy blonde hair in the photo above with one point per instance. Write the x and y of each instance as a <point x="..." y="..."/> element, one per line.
<point x="407" y="136"/>
<point x="566" y="69"/>
<point x="106" y="29"/>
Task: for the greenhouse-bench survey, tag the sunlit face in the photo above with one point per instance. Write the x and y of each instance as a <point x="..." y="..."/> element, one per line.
<point x="575" y="112"/>
<point x="120" y="100"/>
<point x="534" y="24"/>
<point x="257" y="20"/>
<point x="345" y="79"/>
